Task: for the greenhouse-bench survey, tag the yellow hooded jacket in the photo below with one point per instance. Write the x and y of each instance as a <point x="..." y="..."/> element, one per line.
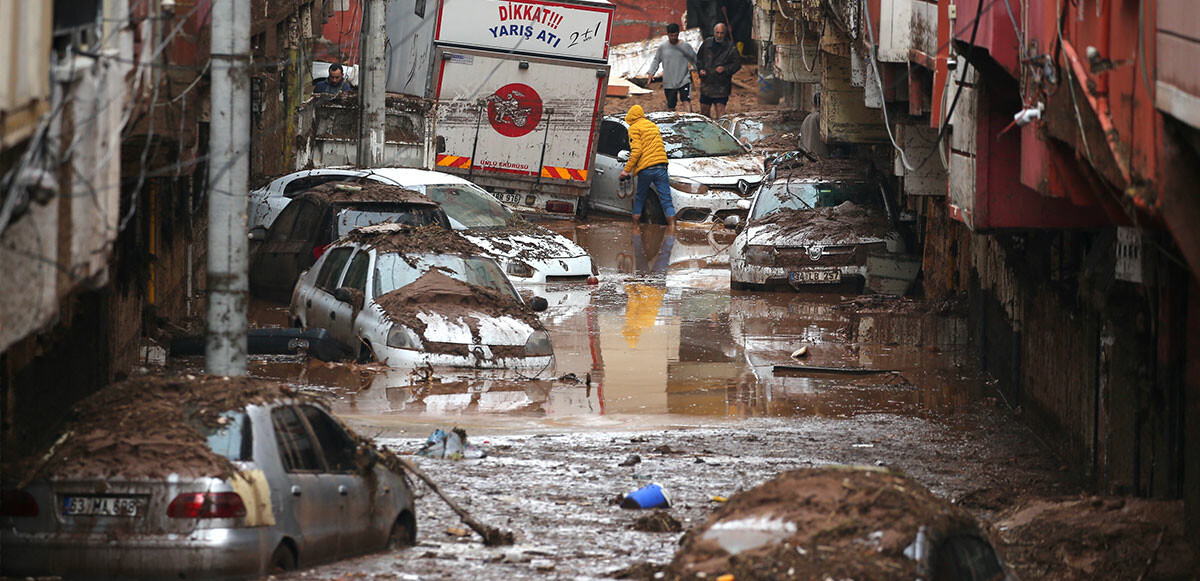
<point x="645" y="143"/>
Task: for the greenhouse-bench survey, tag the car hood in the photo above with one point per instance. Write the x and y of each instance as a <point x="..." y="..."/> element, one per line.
<point x="719" y="171"/>
<point x="462" y="328"/>
<point x="777" y="235"/>
<point x="526" y="243"/>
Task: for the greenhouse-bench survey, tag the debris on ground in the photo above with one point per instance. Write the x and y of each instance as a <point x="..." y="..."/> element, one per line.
<point x="659" y="521"/>
<point x="631" y="460"/>
<point x="649" y="496"/>
<point x="1089" y="538"/>
<point x="822" y="522"/>
<point x="801" y="352"/>
<point x="452" y="446"/>
<point x="492" y="536"/>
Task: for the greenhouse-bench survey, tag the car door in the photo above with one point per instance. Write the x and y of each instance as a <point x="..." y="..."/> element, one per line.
<point x="309" y="500"/>
<point x="321" y="304"/>
<point x="606" y="191"/>
<point x="360" y="529"/>
<point x="288" y="249"/>
<point x="342" y="315"/>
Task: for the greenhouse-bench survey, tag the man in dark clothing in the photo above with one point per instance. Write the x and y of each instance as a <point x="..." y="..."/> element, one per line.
<point x="717" y="61"/>
<point x="334" y="82"/>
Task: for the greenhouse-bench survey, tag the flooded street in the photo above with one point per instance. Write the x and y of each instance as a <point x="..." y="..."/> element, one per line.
<point x="661" y="360"/>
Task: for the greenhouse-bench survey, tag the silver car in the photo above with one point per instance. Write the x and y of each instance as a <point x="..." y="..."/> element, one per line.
<point x="296" y="488"/>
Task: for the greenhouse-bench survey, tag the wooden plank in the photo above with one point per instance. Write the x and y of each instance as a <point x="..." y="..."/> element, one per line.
<point x="818" y="370"/>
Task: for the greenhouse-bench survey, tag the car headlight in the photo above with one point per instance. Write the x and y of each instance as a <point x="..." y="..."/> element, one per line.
<point x="539" y="345"/>
<point x="688" y="186"/>
<point x="518" y="268"/>
<point x="401" y="337"/>
<point x="760" y="255"/>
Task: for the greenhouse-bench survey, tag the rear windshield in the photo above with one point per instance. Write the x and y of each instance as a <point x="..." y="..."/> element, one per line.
<point x="351" y="218"/>
<point x="231" y="436"/>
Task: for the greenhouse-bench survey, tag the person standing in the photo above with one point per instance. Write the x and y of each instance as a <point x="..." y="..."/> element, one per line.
<point x="717" y="61"/>
<point x="648" y="162"/>
<point x="676" y="58"/>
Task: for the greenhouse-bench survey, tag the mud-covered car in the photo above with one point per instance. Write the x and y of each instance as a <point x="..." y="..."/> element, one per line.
<point x="766" y="131"/>
<point x="411" y="297"/>
<point x="527" y="252"/>
<point x="705" y="163"/>
<point x="819" y="224"/>
<point x="187" y="476"/>
<point x="320" y="216"/>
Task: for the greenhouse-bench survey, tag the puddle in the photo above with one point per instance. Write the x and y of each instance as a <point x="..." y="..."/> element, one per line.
<point x="662" y="336"/>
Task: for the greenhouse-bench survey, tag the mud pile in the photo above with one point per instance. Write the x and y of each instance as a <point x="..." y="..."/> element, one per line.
<point x="369" y="191"/>
<point x="843" y="222"/>
<point x="406" y="239"/>
<point x="148" y="427"/>
<point x="839" y="522"/>
<point x="456" y="300"/>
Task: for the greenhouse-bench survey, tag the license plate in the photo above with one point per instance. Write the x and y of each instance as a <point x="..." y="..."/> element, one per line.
<point x="103" y="505"/>
<point x="513" y="199"/>
<point x="815" y="276"/>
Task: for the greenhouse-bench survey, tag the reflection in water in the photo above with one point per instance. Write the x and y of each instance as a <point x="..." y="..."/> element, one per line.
<point x="662" y="334"/>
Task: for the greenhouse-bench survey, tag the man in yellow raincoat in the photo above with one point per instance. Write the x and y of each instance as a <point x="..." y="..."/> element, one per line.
<point x="647" y="161"/>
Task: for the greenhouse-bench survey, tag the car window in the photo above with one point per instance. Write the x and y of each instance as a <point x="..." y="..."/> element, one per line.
<point x="331" y="271"/>
<point x="336" y="445"/>
<point x="231" y="437"/>
<point x="471" y="207"/>
<point x="296" y="448"/>
<point x="356" y="274"/>
<point x="306" y="183"/>
<point x="308" y="220"/>
<point x="393" y="271"/>
<point x="613" y="138"/>
<point x="783" y="194"/>
<point x="697" y="138"/>
<point x="281" y="229"/>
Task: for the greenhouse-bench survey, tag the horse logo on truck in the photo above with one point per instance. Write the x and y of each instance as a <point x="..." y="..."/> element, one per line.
<point x="514" y="110"/>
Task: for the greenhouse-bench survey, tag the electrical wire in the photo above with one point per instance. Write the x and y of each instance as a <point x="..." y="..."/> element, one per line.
<point x="873" y="56"/>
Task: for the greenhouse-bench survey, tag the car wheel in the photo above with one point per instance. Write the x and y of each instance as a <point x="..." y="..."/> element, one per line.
<point x="283" y="559"/>
<point x="365" y="353"/>
<point x="404" y="531"/>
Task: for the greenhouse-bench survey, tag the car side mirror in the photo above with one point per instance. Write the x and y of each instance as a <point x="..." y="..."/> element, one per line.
<point x="771" y="175"/>
<point x="258" y="234"/>
<point x="767" y="161"/>
<point x="732" y="222"/>
<point x="539" y="304"/>
<point x="350" y="296"/>
<point x="623" y="155"/>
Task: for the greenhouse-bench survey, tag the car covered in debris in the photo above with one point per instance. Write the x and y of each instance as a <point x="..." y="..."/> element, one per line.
<point x="322" y="215"/>
<point x="528" y="253"/>
<point x="710" y="170"/>
<point x="411" y="297"/>
<point x="840" y="522"/>
<point x="820" y="223"/>
<point x="766" y="131"/>
<point x="186" y="476"/>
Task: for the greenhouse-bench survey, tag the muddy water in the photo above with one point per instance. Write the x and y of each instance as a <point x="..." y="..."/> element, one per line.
<point x="663" y="340"/>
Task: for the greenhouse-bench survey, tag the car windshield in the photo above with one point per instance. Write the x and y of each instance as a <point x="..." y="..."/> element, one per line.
<point x="697" y="138"/>
<point x="784" y="194"/>
<point x="393" y="271"/>
<point x="351" y="218"/>
<point x="471" y="207"/>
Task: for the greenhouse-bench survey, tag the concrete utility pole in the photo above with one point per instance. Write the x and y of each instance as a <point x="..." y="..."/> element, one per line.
<point x="372" y="81"/>
<point x="228" y="173"/>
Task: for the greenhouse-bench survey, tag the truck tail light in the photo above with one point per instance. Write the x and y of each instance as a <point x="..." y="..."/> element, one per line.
<point x="319" y="250"/>
<point x="17" y="503"/>
<point x="207" y="505"/>
<point x="561" y="207"/>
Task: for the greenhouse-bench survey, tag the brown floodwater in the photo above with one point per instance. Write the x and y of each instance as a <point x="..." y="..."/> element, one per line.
<point x="662" y="340"/>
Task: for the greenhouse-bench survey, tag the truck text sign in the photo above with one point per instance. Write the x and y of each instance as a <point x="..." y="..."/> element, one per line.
<point x="528" y="26"/>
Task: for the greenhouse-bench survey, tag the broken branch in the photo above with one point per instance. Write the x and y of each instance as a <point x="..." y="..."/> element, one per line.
<point x="492" y="536"/>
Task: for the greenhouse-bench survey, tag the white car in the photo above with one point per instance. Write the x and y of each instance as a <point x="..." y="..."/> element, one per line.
<point x="528" y="253"/>
<point x="705" y="163"/>
<point x="816" y="229"/>
<point x="411" y="297"/>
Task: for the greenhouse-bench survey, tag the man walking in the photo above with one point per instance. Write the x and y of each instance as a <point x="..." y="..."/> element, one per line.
<point x="676" y="59"/>
<point x="717" y="60"/>
<point x="647" y="161"/>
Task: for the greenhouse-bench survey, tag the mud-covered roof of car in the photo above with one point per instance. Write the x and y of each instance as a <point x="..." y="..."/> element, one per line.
<point x="367" y="191"/>
<point x="148" y="427"/>
<point x="405" y="239"/>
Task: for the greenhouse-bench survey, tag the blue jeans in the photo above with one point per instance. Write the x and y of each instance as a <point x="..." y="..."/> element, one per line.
<point x="656" y="176"/>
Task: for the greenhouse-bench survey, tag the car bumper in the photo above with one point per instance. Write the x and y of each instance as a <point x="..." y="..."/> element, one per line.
<point x="714" y="206"/>
<point x="553" y="270"/>
<point x="743" y="272"/>
<point x="406" y="358"/>
<point x="204" y="553"/>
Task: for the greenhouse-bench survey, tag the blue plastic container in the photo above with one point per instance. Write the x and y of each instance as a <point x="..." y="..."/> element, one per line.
<point x="649" y="496"/>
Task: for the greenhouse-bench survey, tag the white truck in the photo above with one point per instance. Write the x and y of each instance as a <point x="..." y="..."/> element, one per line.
<point x="518" y="88"/>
